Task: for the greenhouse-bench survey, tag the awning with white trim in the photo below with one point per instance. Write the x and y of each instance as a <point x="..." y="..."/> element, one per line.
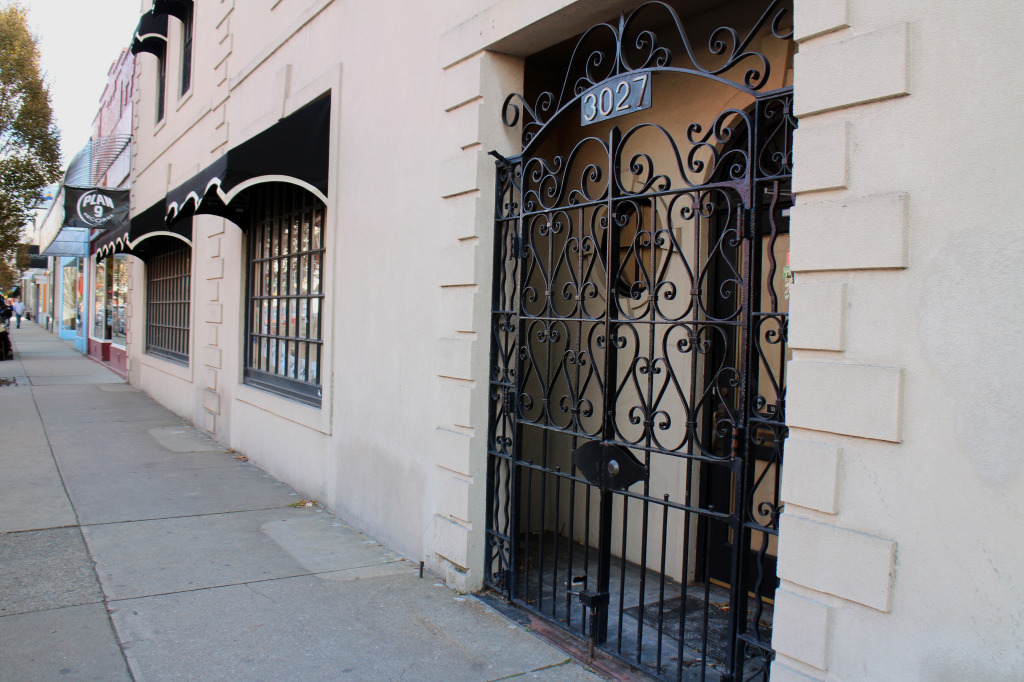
<point x="112" y="241"/>
<point x="150" y="34"/>
<point x="294" y="150"/>
<point x="176" y="8"/>
<point x="145" y="235"/>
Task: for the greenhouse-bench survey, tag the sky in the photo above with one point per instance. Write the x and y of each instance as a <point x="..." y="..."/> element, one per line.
<point x="78" y="42"/>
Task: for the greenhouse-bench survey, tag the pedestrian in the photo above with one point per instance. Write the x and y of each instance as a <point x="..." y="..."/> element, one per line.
<point x="6" y="350"/>
<point x="19" y="310"/>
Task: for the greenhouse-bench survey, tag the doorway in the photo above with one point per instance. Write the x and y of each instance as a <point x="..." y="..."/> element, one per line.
<point x="638" y="340"/>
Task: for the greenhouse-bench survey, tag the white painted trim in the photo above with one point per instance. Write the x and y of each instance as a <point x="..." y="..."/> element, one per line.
<point x="159" y="233"/>
<point x="174" y="208"/>
<point x="226" y="198"/>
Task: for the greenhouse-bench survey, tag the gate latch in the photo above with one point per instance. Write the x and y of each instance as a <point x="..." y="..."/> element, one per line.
<point x="592" y="600"/>
<point x="608" y="466"/>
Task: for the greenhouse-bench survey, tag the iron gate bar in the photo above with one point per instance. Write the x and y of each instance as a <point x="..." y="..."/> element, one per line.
<point x="599" y="606"/>
<point x="501" y="547"/>
<point x="712" y="514"/>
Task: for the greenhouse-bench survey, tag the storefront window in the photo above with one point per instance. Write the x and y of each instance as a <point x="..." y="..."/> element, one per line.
<point x="111" y="299"/>
<point x="44" y="298"/>
<point x="117" y="300"/>
<point x="69" y="298"/>
<point x="99" y="320"/>
<point x="80" y="298"/>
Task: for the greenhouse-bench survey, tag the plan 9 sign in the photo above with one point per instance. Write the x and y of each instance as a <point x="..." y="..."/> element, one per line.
<point x="616" y="97"/>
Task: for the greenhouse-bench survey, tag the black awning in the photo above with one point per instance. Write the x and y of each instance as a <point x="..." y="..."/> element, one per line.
<point x="295" y="149"/>
<point x="112" y="241"/>
<point x="198" y="193"/>
<point x="150" y="223"/>
<point x="151" y="34"/>
<point x="145" y="235"/>
<point x="34" y="259"/>
<point x="175" y="8"/>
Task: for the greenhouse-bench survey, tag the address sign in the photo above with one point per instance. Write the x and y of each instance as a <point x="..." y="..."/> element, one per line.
<point x="616" y="97"/>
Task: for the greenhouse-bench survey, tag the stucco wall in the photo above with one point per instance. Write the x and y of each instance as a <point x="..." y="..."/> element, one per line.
<point x="900" y="557"/>
<point x="374" y="438"/>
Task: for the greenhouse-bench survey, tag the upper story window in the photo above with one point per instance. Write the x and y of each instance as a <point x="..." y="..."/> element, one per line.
<point x="186" y="50"/>
<point x="151" y="36"/>
<point x="161" y="85"/>
<point x="284" y="295"/>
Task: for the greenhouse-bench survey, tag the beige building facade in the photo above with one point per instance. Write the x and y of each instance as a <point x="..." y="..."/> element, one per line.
<point x="319" y="255"/>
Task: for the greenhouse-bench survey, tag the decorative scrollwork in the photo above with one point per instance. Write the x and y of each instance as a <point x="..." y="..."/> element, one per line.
<point x="632" y="44"/>
<point x="775" y="152"/>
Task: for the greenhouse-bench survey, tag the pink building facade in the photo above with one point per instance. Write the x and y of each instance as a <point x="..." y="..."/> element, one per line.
<point x="108" y="296"/>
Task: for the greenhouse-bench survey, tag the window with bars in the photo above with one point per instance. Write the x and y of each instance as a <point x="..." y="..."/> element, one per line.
<point x="168" y="287"/>
<point x="285" y="298"/>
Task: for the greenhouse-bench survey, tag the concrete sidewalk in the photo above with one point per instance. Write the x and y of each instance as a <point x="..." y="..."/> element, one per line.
<point x="134" y="547"/>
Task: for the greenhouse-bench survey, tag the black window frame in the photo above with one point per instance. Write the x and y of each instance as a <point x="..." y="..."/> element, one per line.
<point x="279" y="262"/>
<point x="186" y="52"/>
<point x="169" y="304"/>
<point x="161" y="84"/>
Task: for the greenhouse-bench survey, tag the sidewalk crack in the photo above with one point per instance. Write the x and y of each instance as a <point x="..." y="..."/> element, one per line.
<point x="255" y="591"/>
<point x="550" y="666"/>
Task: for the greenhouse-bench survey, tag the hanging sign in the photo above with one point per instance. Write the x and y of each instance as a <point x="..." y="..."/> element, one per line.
<point x="616" y="97"/>
<point x="96" y="207"/>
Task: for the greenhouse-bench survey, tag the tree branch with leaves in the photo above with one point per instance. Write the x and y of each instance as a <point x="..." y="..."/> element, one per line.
<point x="29" y="139"/>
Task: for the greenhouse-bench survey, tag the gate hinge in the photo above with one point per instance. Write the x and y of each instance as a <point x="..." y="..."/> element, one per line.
<point x="518" y="246"/>
<point x="744" y="224"/>
<point x="507" y="400"/>
<point x="736" y="448"/>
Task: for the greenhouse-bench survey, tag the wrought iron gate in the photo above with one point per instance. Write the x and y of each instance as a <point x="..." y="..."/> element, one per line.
<point x="639" y="344"/>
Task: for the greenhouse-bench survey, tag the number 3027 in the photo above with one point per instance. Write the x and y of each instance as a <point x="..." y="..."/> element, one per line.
<point x="616" y="97"/>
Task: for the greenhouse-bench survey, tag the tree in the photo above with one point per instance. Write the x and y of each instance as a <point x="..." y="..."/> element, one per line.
<point x="29" y="139"/>
<point x="8" y="276"/>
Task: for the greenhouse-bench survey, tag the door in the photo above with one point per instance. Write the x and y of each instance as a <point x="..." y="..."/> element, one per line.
<point x="638" y="342"/>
